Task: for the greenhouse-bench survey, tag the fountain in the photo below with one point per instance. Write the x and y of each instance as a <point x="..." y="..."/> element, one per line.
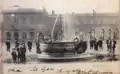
<point x="65" y="48"/>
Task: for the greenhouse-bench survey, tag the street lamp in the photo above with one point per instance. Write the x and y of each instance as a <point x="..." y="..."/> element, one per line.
<point x="117" y="33"/>
<point x="93" y="32"/>
<point x="103" y="33"/>
<point x="110" y="33"/>
<point x="90" y="35"/>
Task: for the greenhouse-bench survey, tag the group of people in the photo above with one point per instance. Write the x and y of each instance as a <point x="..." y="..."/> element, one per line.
<point x="111" y="45"/>
<point x="19" y="51"/>
<point x="96" y="44"/>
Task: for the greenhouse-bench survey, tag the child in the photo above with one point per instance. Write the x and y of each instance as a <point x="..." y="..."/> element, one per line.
<point x="14" y="55"/>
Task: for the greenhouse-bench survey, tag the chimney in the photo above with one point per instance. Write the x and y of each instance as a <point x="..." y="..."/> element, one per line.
<point x="53" y="12"/>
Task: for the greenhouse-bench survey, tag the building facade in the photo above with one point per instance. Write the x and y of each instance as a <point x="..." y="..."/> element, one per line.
<point x="25" y="24"/>
<point x="88" y="21"/>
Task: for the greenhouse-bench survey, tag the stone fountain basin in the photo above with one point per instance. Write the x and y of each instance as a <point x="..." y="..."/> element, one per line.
<point x="57" y="47"/>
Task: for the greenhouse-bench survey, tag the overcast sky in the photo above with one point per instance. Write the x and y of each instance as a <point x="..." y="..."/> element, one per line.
<point x="64" y="6"/>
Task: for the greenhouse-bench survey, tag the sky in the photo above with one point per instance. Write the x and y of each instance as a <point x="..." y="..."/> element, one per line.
<point x="66" y="6"/>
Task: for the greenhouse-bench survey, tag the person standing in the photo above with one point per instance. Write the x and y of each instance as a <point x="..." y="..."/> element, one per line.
<point x="91" y="44"/>
<point x="100" y="43"/>
<point x="79" y="47"/>
<point x="14" y="55"/>
<point x="19" y="53"/>
<point x="29" y="44"/>
<point x="96" y="45"/>
<point x="114" y="42"/>
<point x="112" y="52"/>
<point x="109" y="44"/>
<point x="91" y="40"/>
<point x="76" y="38"/>
<point x="37" y="47"/>
<point x="84" y="45"/>
<point x="8" y="45"/>
<point x="39" y="40"/>
<point x="23" y="52"/>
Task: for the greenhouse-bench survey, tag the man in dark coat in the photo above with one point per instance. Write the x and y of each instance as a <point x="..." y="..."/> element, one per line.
<point x="8" y="45"/>
<point x="29" y="44"/>
<point x="94" y="42"/>
<point x="84" y="46"/>
<point x="91" y="44"/>
<point x="14" y="55"/>
<point x="114" y="42"/>
<point x="38" y="47"/>
<point x="23" y="52"/>
<point x="96" y="45"/>
<point x="100" y="43"/>
<point x="78" y="47"/>
<point x="81" y="47"/>
<point x="19" y="53"/>
<point x="109" y="44"/>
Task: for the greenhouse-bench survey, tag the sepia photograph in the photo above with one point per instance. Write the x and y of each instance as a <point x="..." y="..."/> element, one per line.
<point x="60" y="37"/>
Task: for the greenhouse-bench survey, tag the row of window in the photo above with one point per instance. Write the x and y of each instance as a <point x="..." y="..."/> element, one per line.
<point x="97" y="21"/>
<point x="22" y="19"/>
<point x="16" y="35"/>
